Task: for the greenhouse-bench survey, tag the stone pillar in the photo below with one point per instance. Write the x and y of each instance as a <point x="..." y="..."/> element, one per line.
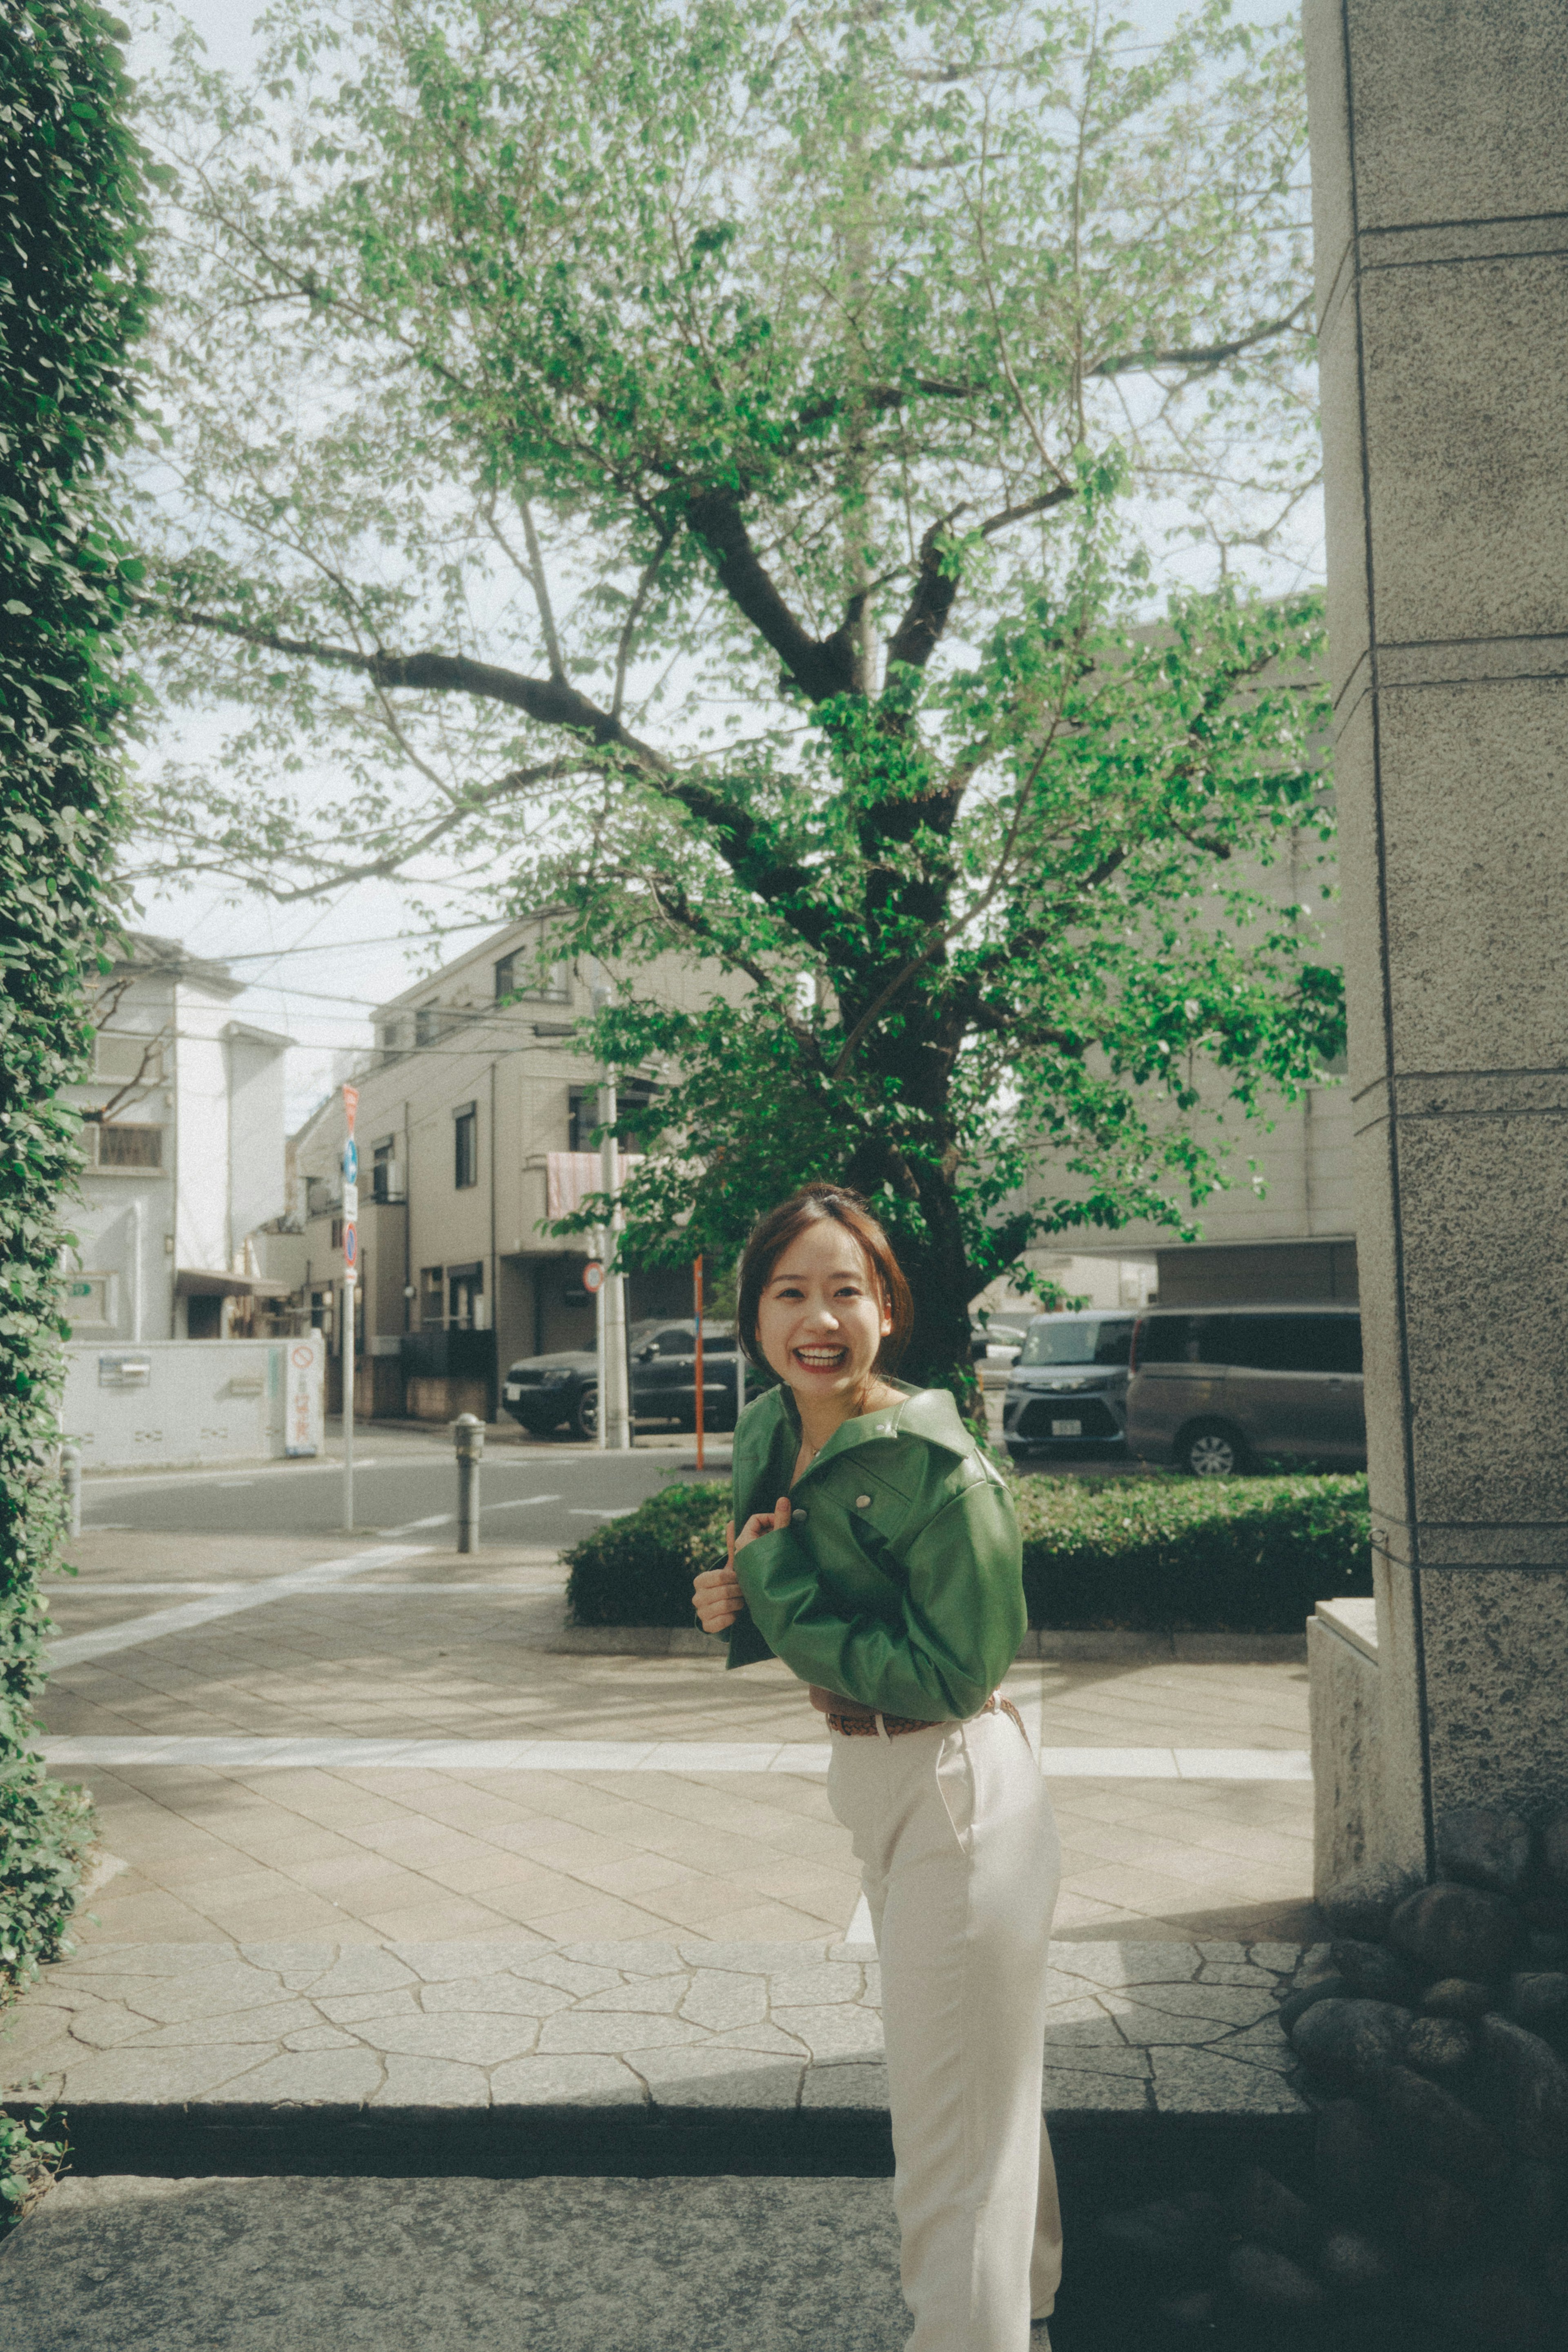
<point x="1441" y="211"/>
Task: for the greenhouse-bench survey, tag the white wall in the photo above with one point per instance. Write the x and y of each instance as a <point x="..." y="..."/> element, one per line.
<point x="258" y="1187"/>
<point x="201" y="1402"/>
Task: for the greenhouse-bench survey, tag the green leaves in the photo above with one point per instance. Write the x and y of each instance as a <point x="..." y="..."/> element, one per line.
<point x="73" y="296"/>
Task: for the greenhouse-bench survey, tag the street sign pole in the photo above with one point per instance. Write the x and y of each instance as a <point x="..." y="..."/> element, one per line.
<point x="697" y="1321"/>
<point x="351" y="1280"/>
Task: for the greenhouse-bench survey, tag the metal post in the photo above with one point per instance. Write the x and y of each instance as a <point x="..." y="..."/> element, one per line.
<point x="697" y="1320"/>
<point x="602" y="1346"/>
<point x="70" y="1478"/>
<point x="614" y="1402"/>
<point x="468" y="1437"/>
<point x="348" y="1355"/>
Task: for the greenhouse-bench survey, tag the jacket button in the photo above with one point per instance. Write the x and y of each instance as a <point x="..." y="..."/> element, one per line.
<point x="862" y="1502"/>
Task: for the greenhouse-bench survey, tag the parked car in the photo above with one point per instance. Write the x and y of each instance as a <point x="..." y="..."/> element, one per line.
<point x="1213" y="1388"/>
<point x="994" y="1346"/>
<point x="543" y="1391"/>
<point x="1067" y="1391"/>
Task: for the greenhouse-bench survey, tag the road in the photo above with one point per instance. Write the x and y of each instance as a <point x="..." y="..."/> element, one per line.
<point x="404" y="1484"/>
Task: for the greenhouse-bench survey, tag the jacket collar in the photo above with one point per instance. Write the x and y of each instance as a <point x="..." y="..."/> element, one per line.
<point x="928" y="1413"/>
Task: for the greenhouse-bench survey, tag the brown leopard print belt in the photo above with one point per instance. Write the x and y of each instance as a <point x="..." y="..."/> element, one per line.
<point x="864" y="1725"/>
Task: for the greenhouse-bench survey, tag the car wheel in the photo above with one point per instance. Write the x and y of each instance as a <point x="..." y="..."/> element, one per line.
<point x="1211" y="1449"/>
<point x="585" y="1413"/>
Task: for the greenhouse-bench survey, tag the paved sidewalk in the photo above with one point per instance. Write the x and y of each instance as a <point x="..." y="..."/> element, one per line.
<point x="349" y="1645"/>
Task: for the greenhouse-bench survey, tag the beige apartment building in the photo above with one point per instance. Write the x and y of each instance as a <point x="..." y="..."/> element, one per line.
<point x="474" y="1114"/>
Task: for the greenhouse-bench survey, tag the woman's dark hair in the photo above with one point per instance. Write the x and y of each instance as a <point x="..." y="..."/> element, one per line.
<point x="771" y="1237"/>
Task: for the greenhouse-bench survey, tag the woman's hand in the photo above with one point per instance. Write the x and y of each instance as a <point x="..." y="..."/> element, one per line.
<point x="717" y="1593"/>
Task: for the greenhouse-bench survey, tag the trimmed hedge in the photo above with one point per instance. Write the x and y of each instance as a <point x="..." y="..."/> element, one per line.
<point x="1191" y="1555"/>
<point x="638" y="1570"/>
<point x="1168" y="1554"/>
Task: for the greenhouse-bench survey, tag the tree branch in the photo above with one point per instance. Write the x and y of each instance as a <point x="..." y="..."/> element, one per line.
<point x="820" y="667"/>
<point x="552" y="701"/>
<point x="926" y="616"/>
<point x="1203" y="355"/>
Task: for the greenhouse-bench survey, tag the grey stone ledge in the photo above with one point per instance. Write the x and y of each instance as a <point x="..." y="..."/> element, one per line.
<point x="645" y="2031"/>
<point x="1088" y="1644"/>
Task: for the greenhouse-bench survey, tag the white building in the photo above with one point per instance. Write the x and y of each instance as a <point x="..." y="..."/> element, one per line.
<point x="185" y="1140"/>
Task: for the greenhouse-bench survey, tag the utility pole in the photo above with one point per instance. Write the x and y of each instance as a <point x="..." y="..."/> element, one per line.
<point x="697" y="1325"/>
<point x="350" y="1278"/>
<point x="614" y="1400"/>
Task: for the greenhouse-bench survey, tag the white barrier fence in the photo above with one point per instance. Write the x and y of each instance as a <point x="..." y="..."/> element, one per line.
<point x="180" y="1403"/>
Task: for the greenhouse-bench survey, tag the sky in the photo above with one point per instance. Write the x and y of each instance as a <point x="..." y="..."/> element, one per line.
<point x="314" y="972"/>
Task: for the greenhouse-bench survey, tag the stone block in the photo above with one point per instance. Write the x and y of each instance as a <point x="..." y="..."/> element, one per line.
<point x="837" y="2031"/>
<point x="797" y="1988"/>
<point x="854" y="2089"/>
<point x="469" y="2041"/>
<point x="1202" y="2082"/>
<point x="1067" y="2091"/>
<point x="1328" y="103"/>
<point x="1474" y="781"/>
<point x="1496" y="1646"/>
<point x="1347" y="605"/>
<point x="161" y="2077"/>
<point x="1466" y="437"/>
<point x="1350" y="1835"/>
<point x="1458" y="109"/>
<point x="496" y="1996"/>
<point x="719" y="1999"/>
<point x="608" y="2031"/>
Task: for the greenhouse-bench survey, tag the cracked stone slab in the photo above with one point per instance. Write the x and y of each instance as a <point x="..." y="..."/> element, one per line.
<point x="720" y="2078"/>
<point x="528" y="2028"/>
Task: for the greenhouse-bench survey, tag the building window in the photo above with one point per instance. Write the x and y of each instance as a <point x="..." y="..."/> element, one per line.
<point x="122" y="1053"/>
<point x="432" y="1299"/>
<point x="427" y="1025"/>
<point x="557" y="985"/>
<point x="506" y="977"/>
<point x="465" y="1145"/>
<point x="466" y="1298"/>
<point x="122" y="1145"/>
<point x="386" y="1176"/>
<point x="584" y="1107"/>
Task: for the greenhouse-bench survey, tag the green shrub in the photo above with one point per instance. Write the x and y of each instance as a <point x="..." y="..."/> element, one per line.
<point x="73" y="297"/>
<point x="1242" y="1555"/>
<point x="1185" y="1555"/>
<point x="28" y="2162"/>
<point x="638" y="1570"/>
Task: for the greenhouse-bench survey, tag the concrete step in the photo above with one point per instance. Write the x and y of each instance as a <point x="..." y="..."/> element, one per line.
<point x="509" y="2059"/>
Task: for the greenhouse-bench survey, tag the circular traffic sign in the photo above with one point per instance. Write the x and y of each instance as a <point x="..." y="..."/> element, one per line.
<point x="304" y="1357"/>
<point x="350" y="1245"/>
<point x="593" y="1276"/>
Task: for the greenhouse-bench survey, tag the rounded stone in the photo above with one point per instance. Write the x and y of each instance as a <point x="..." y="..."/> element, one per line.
<point x="1348" y="2042"/>
<point x="1296" y="2004"/>
<point x="1547" y="1948"/>
<point x="1539" y="1999"/>
<point x="1535" y="2084"/>
<point x="1356" y="2267"/>
<point x="1436" y="2219"/>
<point x="1266" y="2280"/>
<point x="1351" y="2165"/>
<point x="1264" y="2209"/>
<point x="1430" y="2128"/>
<point x="1457" y="1997"/>
<point x="1538" y="2201"/>
<point x="1554" y="1853"/>
<point x="1371" y="1971"/>
<point x="1190" y="2315"/>
<point x="1498" y="2307"/>
<point x="1437" y="2045"/>
<point x="1169" y="2242"/>
<point x="1485" y="1845"/>
<point x="1361" y="1909"/>
<point x="1455" y="1931"/>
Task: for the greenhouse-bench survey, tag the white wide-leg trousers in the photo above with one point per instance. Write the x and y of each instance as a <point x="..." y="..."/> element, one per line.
<point x="960" y="1863"/>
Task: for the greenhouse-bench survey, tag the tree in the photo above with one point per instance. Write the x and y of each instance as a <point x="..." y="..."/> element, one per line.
<point x="666" y="456"/>
<point x="72" y="301"/>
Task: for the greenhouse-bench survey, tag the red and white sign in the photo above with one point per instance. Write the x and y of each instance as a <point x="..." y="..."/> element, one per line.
<point x="351" y="1105"/>
<point x="593" y="1276"/>
<point x="351" y="1252"/>
<point x="302" y="1396"/>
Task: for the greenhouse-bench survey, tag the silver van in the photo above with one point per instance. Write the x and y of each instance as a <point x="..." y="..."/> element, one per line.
<point x="1067" y="1388"/>
<point x="1213" y="1388"/>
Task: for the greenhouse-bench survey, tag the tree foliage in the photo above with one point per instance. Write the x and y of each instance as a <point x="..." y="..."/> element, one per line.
<point x="72" y="300"/>
<point x="663" y="460"/>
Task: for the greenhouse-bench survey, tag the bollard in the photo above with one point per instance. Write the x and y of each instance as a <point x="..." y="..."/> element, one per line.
<point x="70" y="1478"/>
<point x="468" y="1437"/>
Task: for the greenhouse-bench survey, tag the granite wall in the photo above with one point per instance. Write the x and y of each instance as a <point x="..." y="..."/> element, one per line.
<point x="1440" y="212"/>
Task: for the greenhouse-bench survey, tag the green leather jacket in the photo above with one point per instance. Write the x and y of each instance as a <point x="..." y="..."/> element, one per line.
<point x="898" y="1581"/>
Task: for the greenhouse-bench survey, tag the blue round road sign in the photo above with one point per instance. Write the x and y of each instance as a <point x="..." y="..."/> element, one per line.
<point x="351" y="1162"/>
<point x="350" y="1245"/>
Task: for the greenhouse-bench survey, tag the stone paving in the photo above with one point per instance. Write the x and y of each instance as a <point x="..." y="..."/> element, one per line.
<point x="644" y="2028"/>
<point x="438" y="1646"/>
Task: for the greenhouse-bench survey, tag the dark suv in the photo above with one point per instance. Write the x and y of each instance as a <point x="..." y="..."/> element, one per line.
<point x="1067" y="1389"/>
<point x="543" y="1391"/>
<point x="1213" y="1388"/>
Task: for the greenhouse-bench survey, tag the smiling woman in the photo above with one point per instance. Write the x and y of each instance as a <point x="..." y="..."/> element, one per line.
<point x="878" y="1557"/>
